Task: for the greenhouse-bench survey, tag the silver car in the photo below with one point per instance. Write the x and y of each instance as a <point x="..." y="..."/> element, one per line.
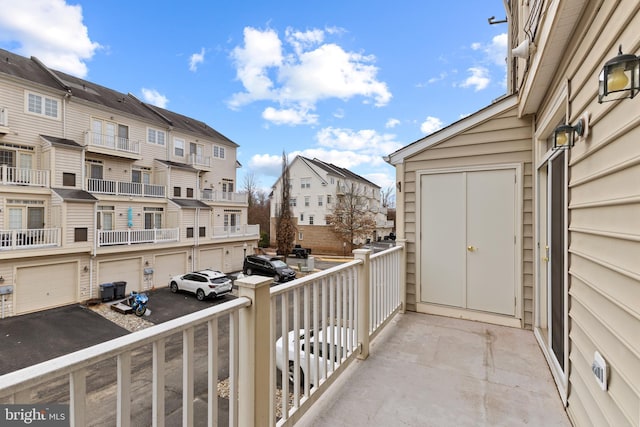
<point x="204" y="283"/>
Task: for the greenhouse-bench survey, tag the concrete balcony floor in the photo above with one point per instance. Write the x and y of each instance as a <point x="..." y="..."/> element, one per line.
<point x="428" y="370"/>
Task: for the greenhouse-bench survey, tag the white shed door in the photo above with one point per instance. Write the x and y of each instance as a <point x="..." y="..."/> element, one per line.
<point x="126" y="270"/>
<point x="468" y="240"/>
<point x="45" y="286"/>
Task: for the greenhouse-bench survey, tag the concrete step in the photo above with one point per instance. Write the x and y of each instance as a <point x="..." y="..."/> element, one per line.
<point x="121" y="308"/>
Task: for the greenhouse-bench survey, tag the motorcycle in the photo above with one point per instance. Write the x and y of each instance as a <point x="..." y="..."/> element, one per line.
<point x="138" y="302"/>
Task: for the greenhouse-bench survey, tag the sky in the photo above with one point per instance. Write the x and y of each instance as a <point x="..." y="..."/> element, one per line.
<point x="347" y="82"/>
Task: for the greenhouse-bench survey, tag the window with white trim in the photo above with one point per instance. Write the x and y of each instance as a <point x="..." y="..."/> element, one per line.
<point x="292" y="202"/>
<point x="178" y="147"/>
<point x="310" y="219"/>
<point x="301" y="217"/>
<point x="156" y="136"/>
<point x="320" y="200"/>
<point x="307" y="201"/>
<point x="218" y="152"/>
<point x="42" y="105"/>
<point x="305" y="182"/>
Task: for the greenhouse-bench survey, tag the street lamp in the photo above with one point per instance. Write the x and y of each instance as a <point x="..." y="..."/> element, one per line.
<point x="244" y="247"/>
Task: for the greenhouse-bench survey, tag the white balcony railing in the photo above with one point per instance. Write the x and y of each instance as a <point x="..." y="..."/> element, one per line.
<point x="357" y="296"/>
<point x="29" y="238"/>
<point x="112" y="142"/>
<point x="124" y="188"/>
<point x="220" y="196"/>
<point x="222" y="231"/>
<point x="134" y="236"/>
<point x="21" y="176"/>
<point x="196" y="160"/>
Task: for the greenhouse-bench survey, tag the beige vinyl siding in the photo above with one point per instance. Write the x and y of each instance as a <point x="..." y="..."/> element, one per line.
<point x="502" y="139"/>
<point x="66" y="161"/>
<point x="78" y="215"/>
<point x="183" y="179"/>
<point x="604" y="221"/>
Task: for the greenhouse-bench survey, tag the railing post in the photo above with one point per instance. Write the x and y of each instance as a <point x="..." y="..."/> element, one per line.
<point x="254" y="352"/>
<point x="364" y="296"/>
<point x="403" y="274"/>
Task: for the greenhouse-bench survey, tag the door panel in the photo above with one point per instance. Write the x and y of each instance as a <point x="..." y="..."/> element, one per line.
<point x="45" y="286"/>
<point x="490" y="236"/>
<point x="443" y="239"/>
<point x="557" y="244"/>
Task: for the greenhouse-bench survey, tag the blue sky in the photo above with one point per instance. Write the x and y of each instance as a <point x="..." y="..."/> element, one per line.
<point x="345" y="81"/>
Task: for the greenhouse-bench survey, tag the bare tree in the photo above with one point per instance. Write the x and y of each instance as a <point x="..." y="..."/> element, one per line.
<point x="285" y="230"/>
<point x="388" y="197"/>
<point x="250" y="186"/>
<point x="350" y="218"/>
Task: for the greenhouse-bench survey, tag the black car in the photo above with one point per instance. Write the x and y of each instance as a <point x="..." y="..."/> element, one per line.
<point x="268" y="266"/>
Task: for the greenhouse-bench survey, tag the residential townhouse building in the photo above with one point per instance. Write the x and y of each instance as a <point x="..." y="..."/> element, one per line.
<point x="97" y="186"/>
<point x="315" y="188"/>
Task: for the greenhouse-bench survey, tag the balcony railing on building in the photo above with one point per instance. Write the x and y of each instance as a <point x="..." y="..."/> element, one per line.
<point x="223" y="196"/>
<point x="29" y="238"/>
<point x="247" y="230"/>
<point x="358" y="298"/>
<point x="112" y="142"/>
<point x="133" y="236"/>
<point x="124" y="188"/>
<point x="21" y="176"/>
<point x="197" y="160"/>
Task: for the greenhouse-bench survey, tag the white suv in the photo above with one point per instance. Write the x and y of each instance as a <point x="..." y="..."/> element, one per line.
<point x="203" y="283"/>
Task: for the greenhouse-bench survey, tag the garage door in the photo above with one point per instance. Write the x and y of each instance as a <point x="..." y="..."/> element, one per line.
<point x="167" y="266"/>
<point x="45" y="286"/>
<point x="211" y="258"/>
<point x="126" y="270"/>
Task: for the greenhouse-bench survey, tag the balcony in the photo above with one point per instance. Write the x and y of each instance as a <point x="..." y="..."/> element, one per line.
<point x="132" y="237"/>
<point x="423" y="370"/>
<point x="226" y="231"/>
<point x="110" y="144"/>
<point x="223" y="196"/>
<point x="20" y="176"/>
<point x="199" y="161"/>
<point x="123" y="188"/>
<point x="29" y="238"/>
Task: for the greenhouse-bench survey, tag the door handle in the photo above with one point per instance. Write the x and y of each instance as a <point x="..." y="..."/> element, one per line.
<point x="545" y="258"/>
<point x="471" y="248"/>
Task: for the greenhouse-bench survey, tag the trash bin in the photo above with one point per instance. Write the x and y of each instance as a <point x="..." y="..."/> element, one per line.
<point x="120" y="289"/>
<point x="106" y="291"/>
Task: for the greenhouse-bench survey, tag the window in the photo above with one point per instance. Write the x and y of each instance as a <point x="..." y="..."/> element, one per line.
<point x="202" y="231"/>
<point x="310" y="219"/>
<point x="305" y="183"/>
<point x="328" y="199"/>
<point x="218" y="152"/>
<point x="153" y="218"/>
<point x="80" y="234"/>
<point x="178" y="147"/>
<point x="300" y="236"/>
<point x="104" y="133"/>
<point x="227" y="186"/>
<point x="142" y="175"/>
<point x="189" y="232"/>
<point x="176" y="192"/>
<point x="155" y="136"/>
<point x="68" y="179"/>
<point x="196" y="151"/>
<point x="190" y="193"/>
<point x="105" y="218"/>
<point x="231" y="220"/>
<point x="301" y="217"/>
<point x="320" y="200"/>
<point x="42" y="105"/>
<point x="292" y="202"/>
<point x="307" y="200"/>
<point x="332" y="181"/>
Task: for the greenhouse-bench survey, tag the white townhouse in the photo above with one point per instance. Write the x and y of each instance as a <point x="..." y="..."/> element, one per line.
<point x="315" y="188"/>
<point x="98" y="187"/>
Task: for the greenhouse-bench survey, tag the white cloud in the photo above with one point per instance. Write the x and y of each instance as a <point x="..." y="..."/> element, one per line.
<point x="497" y="50"/>
<point x="195" y="59"/>
<point x="391" y="123"/>
<point x="289" y="116"/>
<point x="430" y="125"/>
<point x="154" y="97"/>
<point x="366" y="141"/>
<point x="479" y="78"/>
<point x="309" y="71"/>
<point x="51" y="30"/>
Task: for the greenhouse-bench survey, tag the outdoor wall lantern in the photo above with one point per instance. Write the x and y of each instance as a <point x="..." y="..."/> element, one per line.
<point x="619" y="78"/>
<point x="563" y="135"/>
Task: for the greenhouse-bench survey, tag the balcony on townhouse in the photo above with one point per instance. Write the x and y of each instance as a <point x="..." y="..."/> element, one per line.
<point x="199" y="161"/>
<point x="112" y="144"/>
<point x="234" y="231"/>
<point x="124" y="188"/>
<point x="31" y="238"/>
<point x="21" y="176"/>
<point x="137" y="236"/>
<point x="223" y="196"/>
<point x="384" y="224"/>
<point x="425" y="369"/>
